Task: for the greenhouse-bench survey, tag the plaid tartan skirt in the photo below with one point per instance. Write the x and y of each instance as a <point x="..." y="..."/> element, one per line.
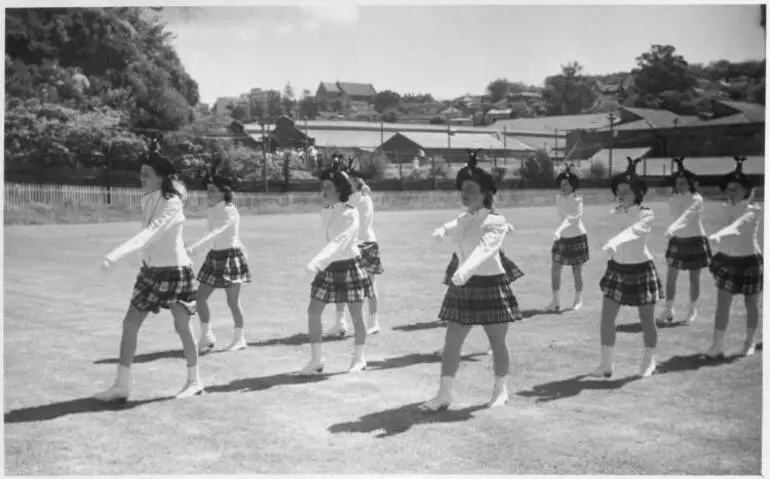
<point x="157" y="288"/>
<point x="738" y="274"/>
<point x="482" y="300"/>
<point x="370" y="257"/>
<point x="512" y="272"/>
<point x="688" y="253"/>
<point x="631" y="284"/>
<point x="224" y="267"/>
<point x="343" y="281"/>
<point x="570" y="251"/>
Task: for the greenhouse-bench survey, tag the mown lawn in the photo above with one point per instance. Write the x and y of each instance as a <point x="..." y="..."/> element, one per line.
<point x="62" y="325"/>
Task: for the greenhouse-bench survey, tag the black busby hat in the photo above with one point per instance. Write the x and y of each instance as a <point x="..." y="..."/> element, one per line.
<point x="569" y="175"/>
<point x="637" y="184"/>
<point x="737" y="176"/>
<point x="471" y="171"/>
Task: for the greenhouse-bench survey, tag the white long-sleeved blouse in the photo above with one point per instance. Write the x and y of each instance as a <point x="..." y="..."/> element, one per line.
<point x="223" y="221"/>
<point x="161" y="238"/>
<point x="340" y="225"/>
<point x="365" y="207"/>
<point x="687" y="209"/>
<point x="570" y="209"/>
<point x="477" y="237"/>
<point x="739" y="235"/>
<point x="634" y="224"/>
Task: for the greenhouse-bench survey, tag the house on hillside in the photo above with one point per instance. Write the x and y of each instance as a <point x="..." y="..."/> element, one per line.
<point x="401" y="147"/>
<point x="346" y="93"/>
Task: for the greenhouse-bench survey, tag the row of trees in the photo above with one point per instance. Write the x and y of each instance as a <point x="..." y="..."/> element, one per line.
<point x="662" y="79"/>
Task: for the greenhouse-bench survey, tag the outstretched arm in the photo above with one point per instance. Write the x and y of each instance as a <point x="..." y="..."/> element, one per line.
<point x="695" y="209"/>
<point x="150" y="234"/>
<point x="744" y="224"/>
<point x="641" y="228"/>
<point x="572" y="217"/>
<point x="229" y="223"/>
<point x="324" y="257"/>
<point x="491" y="242"/>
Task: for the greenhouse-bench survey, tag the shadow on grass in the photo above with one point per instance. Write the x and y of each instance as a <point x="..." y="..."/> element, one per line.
<point x="573" y="386"/>
<point x="693" y="362"/>
<point x="637" y="327"/>
<point x="298" y="339"/>
<point x="530" y="313"/>
<point x="419" y="326"/>
<point x="399" y="420"/>
<point x="75" y="406"/>
<point x="417" y="358"/>
<point x="267" y="382"/>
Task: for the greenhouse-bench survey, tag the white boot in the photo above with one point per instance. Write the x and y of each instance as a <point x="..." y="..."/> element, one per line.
<point x="499" y="392"/>
<point x="193" y="386"/>
<point x="207" y="341"/>
<point x="668" y="312"/>
<point x="239" y="341"/>
<point x="578" y="303"/>
<point x="605" y="369"/>
<point x="316" y="365"/>
<point x="373" y="326"/>
<point x="749" y="345"/>
<point x="717" y="349"/>
<point x="648" y="363"/>
<point x="443" y="399"/>
<point x="692" y="313"/>
<point x="340" y="328"/>
<point x="359" y="361"/>
<point x="120" y="390"/>
<point x="554" y="306"/>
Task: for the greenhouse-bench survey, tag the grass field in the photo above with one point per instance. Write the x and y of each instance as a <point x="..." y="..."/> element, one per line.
<point x="62" y="325"/>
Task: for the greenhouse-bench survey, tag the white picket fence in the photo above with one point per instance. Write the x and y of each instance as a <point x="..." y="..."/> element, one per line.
<point x="71" y="196"/>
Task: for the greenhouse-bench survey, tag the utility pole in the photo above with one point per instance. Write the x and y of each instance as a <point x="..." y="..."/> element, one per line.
<point x="264" y="158"/>
<point x="556" y="143"/>
<point x="612" y="140"/>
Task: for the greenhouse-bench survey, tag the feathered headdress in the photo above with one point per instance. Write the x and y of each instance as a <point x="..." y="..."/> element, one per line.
<point x="159" y="162"/>
<point x="569" y="175"/>
<point x="213" y="174"/>
<point x="471" y="171"/>
<point x="637" y="184"/>
<point x="352" y="171"/>
<point x="682" y="172"/>
<point x="737" y="176"/>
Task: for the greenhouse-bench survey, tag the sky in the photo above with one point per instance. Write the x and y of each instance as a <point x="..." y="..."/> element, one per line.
<point x="445" y="50"/>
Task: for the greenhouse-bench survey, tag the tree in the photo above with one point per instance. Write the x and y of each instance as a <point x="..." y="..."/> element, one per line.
<point x="386" y="100"/>
<point x="275" y="107"/>
<point x="499" y="89"/>
<point x="569" y="92"/>
<point x="390" y="116"/>
<point x="662" y="69"/>
<point x="438" y="120"/>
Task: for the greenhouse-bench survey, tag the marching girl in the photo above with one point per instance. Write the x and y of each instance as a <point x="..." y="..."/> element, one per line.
<point x="631" y="278"/>
<point x="688" y="249"/>
<point x="570" y="246"/>
<point x="480" y="291"/>
<point x="370" y="251"/>
<point x="225" y="266"/>
<point x="166" y="279"/>
<point x="737" y="267"/>
<point x="339" y="274"/>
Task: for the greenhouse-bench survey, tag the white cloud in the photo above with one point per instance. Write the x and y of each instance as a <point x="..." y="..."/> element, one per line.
<point x="310" y="24"/>
<point x="283" y="28"/>
<point x="332" y="13"/>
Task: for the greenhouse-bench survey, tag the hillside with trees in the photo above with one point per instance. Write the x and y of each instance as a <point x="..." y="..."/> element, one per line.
<point x="87" y="87"/>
